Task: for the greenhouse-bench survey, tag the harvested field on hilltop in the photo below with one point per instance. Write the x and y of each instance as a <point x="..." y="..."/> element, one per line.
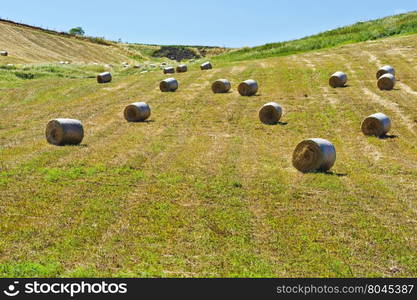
<point x="203" y="188"/>
<point x="27" y="45"/>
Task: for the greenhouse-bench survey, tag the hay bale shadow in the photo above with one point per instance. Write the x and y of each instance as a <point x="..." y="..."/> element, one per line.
<point x="331" y="173"/>
<point x="388" y="137"/>
<point x="277" y="123"/>
<point x="139" y="122"/>
<point x="75" y="146"/>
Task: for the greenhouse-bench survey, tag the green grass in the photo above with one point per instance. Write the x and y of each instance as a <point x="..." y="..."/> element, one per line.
<point x="359" y="32"/>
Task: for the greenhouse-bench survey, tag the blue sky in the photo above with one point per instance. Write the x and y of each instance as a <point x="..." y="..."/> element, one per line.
<point x="228" y="23"/>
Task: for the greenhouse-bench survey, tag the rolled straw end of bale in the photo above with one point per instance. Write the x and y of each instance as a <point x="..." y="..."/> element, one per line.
<point x="137" y="112"/>
<point x="248" y="88"/>
<point x="338" y="79"/>
<point x="168" y="85"/>
<point x="169" y="70"/>
<point x="221" y="86"/>
<point x="376" y="125"/>
<point x="182" y="68"/>
<point x="206" y="66"/>
<point x="4" y="53"/>
<point x="270" y="113"/>
<point x="64" y="132"/>
<point x="314" y="155"/>
<point x="386" y="82"/>
<point x="385" y="70"/>
<point x="104" y="77"/>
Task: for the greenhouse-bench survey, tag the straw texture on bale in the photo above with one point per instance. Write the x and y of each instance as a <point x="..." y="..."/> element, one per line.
<point x="64" y="132"/>
<point x="270" y="113"/>
<point x="248" y="88"/>
<point x="206" y="66"/>
<point x="4" y="53"/>
<point x="221" y="86"/>
<point x="182" y="68"/>
<point x="338" y="79"/>
<point x="385" y="70"/>
<point x="104" y="77"/>
<point x="386" y="82"/>
<point x="376" y="125"/>
<point x="168" y="85"/>
<point x="314" y="155"/>
<point x="169" y="70"/>
<point x="137" y="112"/>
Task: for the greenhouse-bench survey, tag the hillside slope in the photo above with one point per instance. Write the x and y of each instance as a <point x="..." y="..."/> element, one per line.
<point x="28" y="45"/>
<point x="203" y="188"/>
<point x="359" y="32"/>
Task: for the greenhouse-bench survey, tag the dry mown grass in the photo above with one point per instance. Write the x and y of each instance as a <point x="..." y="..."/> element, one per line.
<point x="34" y="46"/>
<point x="203" y="188"/>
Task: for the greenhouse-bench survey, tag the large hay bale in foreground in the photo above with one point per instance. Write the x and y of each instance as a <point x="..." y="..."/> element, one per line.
<point x="4" y="53"/>
<point x="104" y="77"/>
<point x="169" y="70"/>
<point x="221" y="86"/>
<point x="314" y="155"/>
<point x="386" y="82"/>
<point x="182" y="68"/>
<point x="338" y="79"/>
<point x="168" y="85"/>
<point x="376" y="125"/>
<point x="385" y="70"/>
<point x="206" y="66"/>
<point x="64" y="132"/>
<point x="137" y="112"/>
<point x="270" y="113"/>
<point x="248" y="88"/>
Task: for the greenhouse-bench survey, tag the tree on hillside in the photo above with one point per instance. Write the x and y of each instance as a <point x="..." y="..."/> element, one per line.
<point x="77" y="31"/>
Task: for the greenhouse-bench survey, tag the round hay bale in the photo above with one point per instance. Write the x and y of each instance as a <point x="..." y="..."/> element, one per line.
<point x="64" y="132"/>
<point x="386" y="82"/>
<point x="169" y="70"/>
<point x="385" y="70"/>
<point x="137" y="66"/>
<point x="248" y="88"/>
<point x="104" y="77"/>
<point x="314" y="155"/>
<point x="169" y="85"/>
<point x="4" y="53"/>
<point x="338" y="79"/>
<point x="182" y="69"/>
<point x="376" y="125"/>
<point x="270" y="113"/>
<point x="221" y="86"/>
<point x="206" y="66"/>
<point x="137" y="112"/>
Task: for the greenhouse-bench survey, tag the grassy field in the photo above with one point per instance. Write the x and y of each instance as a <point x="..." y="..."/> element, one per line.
<point x="203" y="189"/>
